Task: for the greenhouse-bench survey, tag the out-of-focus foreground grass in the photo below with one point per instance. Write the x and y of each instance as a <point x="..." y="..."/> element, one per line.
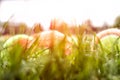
<point x="88" y="61"/>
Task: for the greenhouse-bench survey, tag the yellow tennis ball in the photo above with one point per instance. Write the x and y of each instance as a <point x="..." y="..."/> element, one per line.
<point x="109" y="39"/>
<point x="21" y="39"/>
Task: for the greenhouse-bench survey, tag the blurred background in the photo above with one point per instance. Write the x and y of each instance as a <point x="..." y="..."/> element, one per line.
<point x="72" y="11"/>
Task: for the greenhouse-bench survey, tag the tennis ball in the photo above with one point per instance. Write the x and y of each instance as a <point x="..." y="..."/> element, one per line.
<point x="109" y="39"/>
<point x="21" y="39"/>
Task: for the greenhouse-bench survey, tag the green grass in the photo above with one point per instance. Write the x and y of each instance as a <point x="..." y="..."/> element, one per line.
<point x="87" y="61"/>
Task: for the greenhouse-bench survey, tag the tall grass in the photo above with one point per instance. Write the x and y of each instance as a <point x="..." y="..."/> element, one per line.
<point x="87" y="61"/>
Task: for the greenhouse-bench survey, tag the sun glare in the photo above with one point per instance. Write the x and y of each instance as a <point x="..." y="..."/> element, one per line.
<point x="31" y="11"/>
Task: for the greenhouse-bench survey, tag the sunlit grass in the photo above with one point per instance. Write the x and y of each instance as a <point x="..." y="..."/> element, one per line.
<point x="87" y="61"/>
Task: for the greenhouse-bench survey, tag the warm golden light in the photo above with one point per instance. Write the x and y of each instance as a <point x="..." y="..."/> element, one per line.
<point x="31" y="11"/>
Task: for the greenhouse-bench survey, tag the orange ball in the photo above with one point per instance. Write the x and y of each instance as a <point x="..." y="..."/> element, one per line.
<point x="48" y="39"/>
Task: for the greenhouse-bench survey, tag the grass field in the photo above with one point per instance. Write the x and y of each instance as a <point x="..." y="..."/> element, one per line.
<point x="88" y="60"/>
